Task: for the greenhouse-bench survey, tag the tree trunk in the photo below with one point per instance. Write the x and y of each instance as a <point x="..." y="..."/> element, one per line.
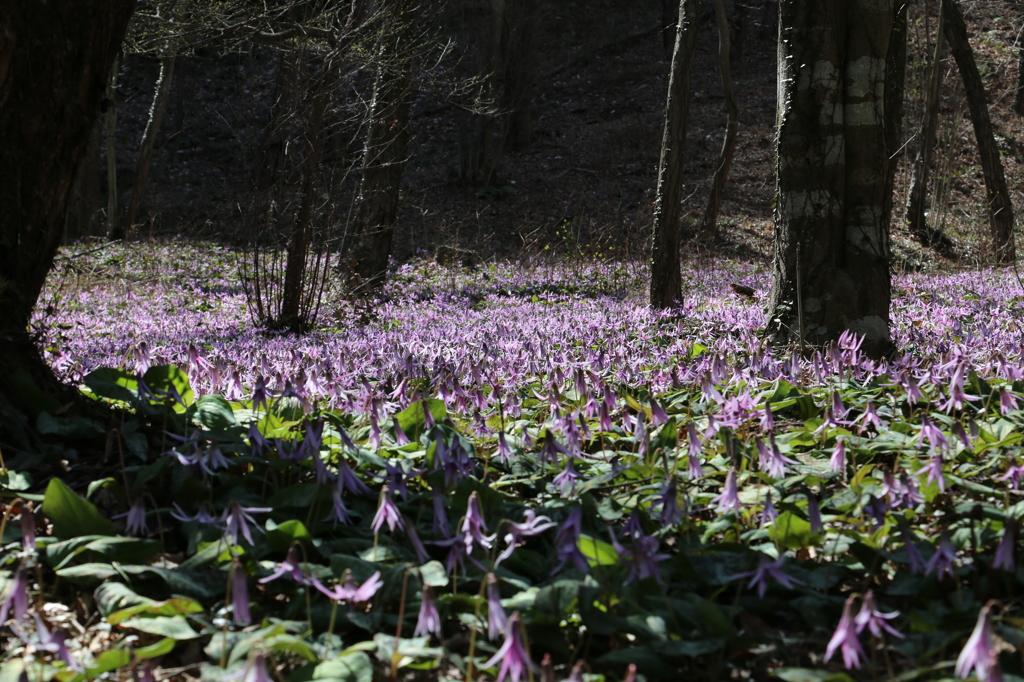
<point x="387" y="143"/>
<point x="520" y="71"/>
<point x="669" y="22"/>
<point x="917" y="202"/>
<point x="55" y="59"/>
<point x="732" y="125"/>
<point x="840" y="80"/>
<point x="666" y="281"/>
<point x="85" y="194"/>
<point x="1018" y="97"/>
<point x="115" y="230"/>
<point x="1000" y="208"/>
<point x="161" y="96"/>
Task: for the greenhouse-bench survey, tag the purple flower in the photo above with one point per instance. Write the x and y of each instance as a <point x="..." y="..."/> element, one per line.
<point x="429" y="622"/>
<point x="255" y="670"/>
<point x="387" y="512"/>
<point x="930" y="433"/>
<point x="980" y="654"/>
<point x="566" y="480"/>
<point x="870" y="418"/>
<point x="349" y="480"/>
<point x="694" y="470"/>
<point x="838" y="460"/>
<point x="766" y="568"/>
<point x="339" y="512"/>
<point x="414" y="540"/>
<point x="28" y="528"/>
<point x="440" y="515"/>
<point x="504" y="451"/>
<point x="474" y="525"/>
<point x="729" y="499"/>
<point x="1005" y="558"/>
<point x="54" y="642"/>
<point x="512" y="653"/>
<point x="348" y="591"/>
<point x="240" y="594"/>
<point x="290" y="567"/>
<point x="1014" y="473"/>
<point x="845" y="638"/>
<point x="533" y="525"/>
<point x="641" y="557"/>
<point x="914" y="559"/>
<point x="17" y="597"/>
<point x="771" y="459"/>
<point x="236" y="519"/>
<point x="658" y="414"/>
<point x="136" y="514"/>
<point x="943" y="559"/>
<point x="496" y="618"/>
<point x="669" y="499"/>
<point x="874" y="620"/>
<point x="768" y="513"/>
<point x="934" y="470"/>
<point x="203" y="517"/>
<point x="1007" y="401"/>
<point x="567" y="542"/>
<point x="814" y="514"/>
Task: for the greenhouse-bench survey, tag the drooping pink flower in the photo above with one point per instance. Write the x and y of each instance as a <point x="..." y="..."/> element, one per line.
<point x="512" y="653"/>
<point x="428" y="622"/>
<point x="845" y="639"/>
<point x="768" y="569"/>
<point x="387" y="512"/>
<point x="979" y="654"/>
<point x="236" y="519"/>
<point x="728" y="500"/>
<point x="1005" y="558"/>
<point x="290" y="567"/>
<point x="874" y="620"/>
<point x="496" y="618"/>
<point x="17" y="597"/>
<point x="567" y="542"/>
<point x="943" y="559"/>
<point x="837" y="462"/>
<point x="533" y="525"/>
<point x="239" y="594"/>
<point x="349" y="591"/>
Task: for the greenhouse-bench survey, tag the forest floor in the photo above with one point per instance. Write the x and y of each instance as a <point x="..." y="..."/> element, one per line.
<point x="585" y="186"/>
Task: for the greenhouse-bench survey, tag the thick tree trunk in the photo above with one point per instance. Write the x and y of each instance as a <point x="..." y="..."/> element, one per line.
<point x="1000" y="208"/>
<point x="387" y="143"/>
<point x="732" y="124"/>
<point x="666" y="282"/>
<point x="161" y="96"/>
<point x="839" y="70"/>
<point x="85" y="194"/>
<point x="917" y="202"/>
<point x="55" y="59"/>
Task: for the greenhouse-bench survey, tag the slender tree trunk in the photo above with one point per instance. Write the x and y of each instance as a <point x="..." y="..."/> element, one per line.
<point x="115" y="230"/>
<point x="840" y="81"/>
<point x="520" y="71"/>
<point x="296" y="278"/>
<point x="55" y="59"/>
<point x="669" y="21"/>
<point x="732" y="125"/>
<point x="161" y="96"/>
<point x="387" y="144"/>
<point x="917" y="202"/>
<point x="666" y="280"/>
<point x="1000" y="208"/>
<point x="1018" y="97"/>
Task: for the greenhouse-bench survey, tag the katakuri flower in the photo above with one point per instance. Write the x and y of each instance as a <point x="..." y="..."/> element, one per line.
<point x="845" y="638"/>
<point x="236" y="519"/>
<point x="240" y="594"/>
<point x="533" y="525"/>
<point x="429" y="622"/>
<point x="874" y="620"/>
<point x="17" y="597"/>
<point x="729" y="499"/>
<point x="768" y="569"/>
<point x="136" y="515"/>
<point x="348" y="591"/>
<point x="980" y="653"/>
<point x="387" y="512"/>
<point x="290" y="567"/>
<point x="641" y="557"/>
<point x="567" y="542"/>
<point x="496" y="618"/>
<point x="512" y="653"/>
<point x="943" y="559"/>
<point x="1005" y="558"/>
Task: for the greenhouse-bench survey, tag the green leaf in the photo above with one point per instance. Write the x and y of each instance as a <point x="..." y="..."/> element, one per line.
<point x="113" y="384"/>
<point x="73" y="428"/>
<point x="109" y="660"/>
<point x="168" y="379"/>
<point x="175" y="627"/>
<point x="15" y="480"/>
<point x="792" y="531"/>
<point x="213" y="413"/>
<point x="413" y="418"/>
<point x="432" y="573"/>
<point x="351" y="667"/>
<point x="116" y="548"/>
<point x="71" y="515"/>
<point x="280" y="538"/>
<point x="161" y="648"/>
<point x="598" y="552"/>
<point x="175" y="606"/>
<point x="290" y="644"/>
